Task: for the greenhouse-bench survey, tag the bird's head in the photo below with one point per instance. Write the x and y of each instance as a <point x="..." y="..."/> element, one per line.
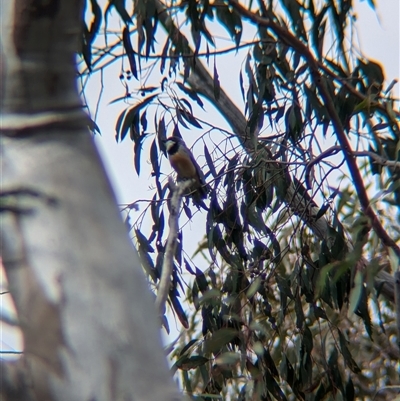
<point x="172" y="144"/>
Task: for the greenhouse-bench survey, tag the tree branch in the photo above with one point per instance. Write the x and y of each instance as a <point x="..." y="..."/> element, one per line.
<point x="378" y="159"/>
<point x="168" y="263"/>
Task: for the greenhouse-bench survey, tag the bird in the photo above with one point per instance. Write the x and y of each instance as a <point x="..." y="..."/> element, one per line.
<point x="186" y="167"/>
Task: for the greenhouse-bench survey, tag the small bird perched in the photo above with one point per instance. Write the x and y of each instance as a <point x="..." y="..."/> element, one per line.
<point x="186" y="167"/>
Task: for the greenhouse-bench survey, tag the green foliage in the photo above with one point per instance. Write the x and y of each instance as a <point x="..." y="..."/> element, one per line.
<point x="290" y="307"/>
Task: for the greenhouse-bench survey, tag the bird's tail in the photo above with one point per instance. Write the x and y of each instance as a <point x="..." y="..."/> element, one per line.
<point x="197" y="199"/>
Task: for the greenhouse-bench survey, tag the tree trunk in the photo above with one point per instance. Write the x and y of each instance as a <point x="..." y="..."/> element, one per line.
<point x="89" y="324"/>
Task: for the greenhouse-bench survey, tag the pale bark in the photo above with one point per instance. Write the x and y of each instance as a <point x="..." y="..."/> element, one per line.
<point x="89" y="324"/>
<point x="164" y="285"/>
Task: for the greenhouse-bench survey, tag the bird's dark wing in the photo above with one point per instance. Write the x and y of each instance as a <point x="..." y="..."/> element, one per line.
<point x="204" y="187"/>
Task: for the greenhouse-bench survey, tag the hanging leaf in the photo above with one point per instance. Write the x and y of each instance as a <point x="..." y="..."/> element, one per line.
<point x="318" y="31"/>
<point x="143" y="242"/>
<point x="89" y="34"/>
<point x="294" y="123"/>
<point x="275" y="245"/>
<point x="126" y="40"/>
<point x="86" y="47"/>
<point x="119" y="98"/>
<point x="293" y="9"/>
<point x="187" y="347"/>
<point x="186" y="105"/>
<point x="241" y="84"/>
<point x="190" y="118"/>
<point x="154" y="159"/>
<point x="298" y="307"/>
<point x="180" y="313"/>
<point x="219" y="339"/>
<point x="201" y="281"/>
<point x="118" y="124"/>
<point x="134" y="129"/>
<point x="137" y="149"/>
<point x="126" y="119"/>
<point x="193" y="362"/>
<point x="217" y="86"/>
<point x="180" y="118"/>
<point x="162" y="135"/>
<point x="363" y="312"/>
<point x="96" y="22"/>
<point x="347" y="355"/>
<point x="350" y="393"/>
<point x="273" y="387"/>
<point x="155" y="208"/>
<point x="335" y="372"/>
<point x="373" y="73"/>
<point x="270" y="364"/>
<point x="143" y="122"/>
<point x="120" y="7"/>
<point x="231" y="21"/>
<point x="210" y="163"/>
<point x="193" y="95"/>
<point x="176" y="132"/>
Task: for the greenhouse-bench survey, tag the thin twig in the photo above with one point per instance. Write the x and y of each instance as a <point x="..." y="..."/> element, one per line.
<point x="336" y="149"/>
<point x="2" y="352"/>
